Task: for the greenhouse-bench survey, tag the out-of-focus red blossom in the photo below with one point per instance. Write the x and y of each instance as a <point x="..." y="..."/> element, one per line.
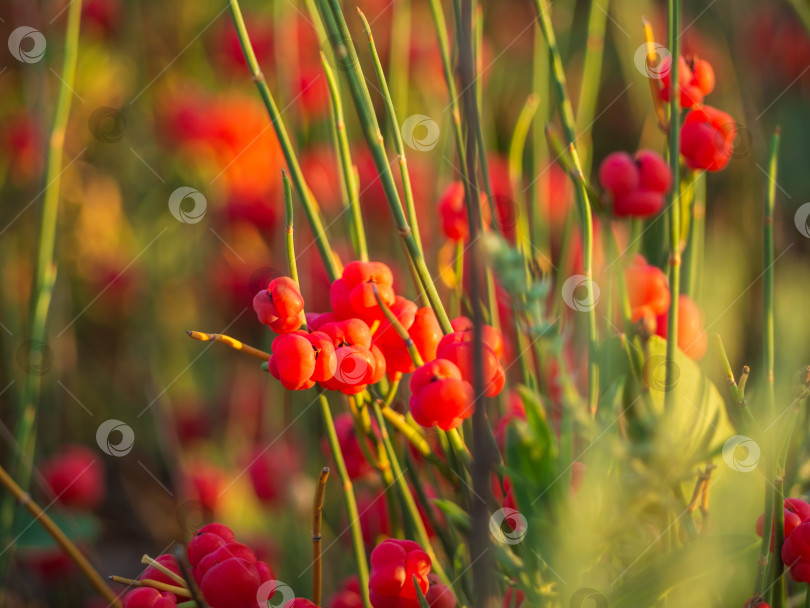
<point x="348" y="596"/>
<point x="453" y="212"/>
<point x="647" y="289"/>
<point x="796" y="553"/>
<point x="394" y="564"/>
<point x="695" y="80"/>
<point x="637" y="185"/>
<point x="146" y="597"/>
<point x="227" y="51"/>
<point x="515" y="411"/>
<point x="374" y="521"/>
<point x="555" y="196"/>
<point x="49" y="564"/>
<point x="777" y="44"/>
<point x="756" y="602"/>
<point x="707" y="138"/>
<point x="271" y="470"/>
<point x="692" y="339"/>
<point x="439" y="395"/>
<point x="102" y="16"/>
<point x="458" y="348"/>
<point x="76" y="476"/>
<point x="439" y="595"/>
<point x="205" y="482"/>
<point x="356" y="464"/>
<point x="22" y="138"/>
<point x="509" y="601"/>
<point x="319" y="165"/>
<point x="191" y="423"/>
<point x="230" y="132"/>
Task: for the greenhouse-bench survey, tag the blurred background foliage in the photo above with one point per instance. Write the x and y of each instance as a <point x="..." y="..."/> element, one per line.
<point x="163" y="99"/>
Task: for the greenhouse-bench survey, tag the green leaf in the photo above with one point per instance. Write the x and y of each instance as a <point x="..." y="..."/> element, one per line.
<point x="423" y="603"/>
<point x="455" y="514"/>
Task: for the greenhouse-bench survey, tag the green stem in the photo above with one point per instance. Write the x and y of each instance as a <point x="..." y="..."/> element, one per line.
<point x="301" y="188"/>
<point x="290" y="240"/>
<point x="697" y="229"/>
<point x="343" y="48"/>
<point x="776" y="473"/>
<point x="437" y="12"/>
<point x="673" y="9"/>
<point x="25" y="433"/>
<point x="516" y="151"/>
<point x="395" y="133"/>
<point x="586" y="229"/>
<point x="348" y="494"/>
<point x="592" y="69"/>
<point x="411" y="511"/>
<point x="350" y="184"/>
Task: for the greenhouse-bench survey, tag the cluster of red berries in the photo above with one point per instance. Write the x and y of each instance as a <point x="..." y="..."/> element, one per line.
<point x="650" y="298"/>
<point x="394" y="565"/>
<point x="695" y="80"/>
<point x="228" y="573"/>
<point x="637" y="185"/>
<point x="796" y="548"/>
<point x="453" y="211"/>
<point x="441" y="390"/>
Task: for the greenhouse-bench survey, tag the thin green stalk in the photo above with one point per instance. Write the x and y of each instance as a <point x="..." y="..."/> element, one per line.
<point x="343" y="48"/>
<point x="697" y="229"/>
<point x="350" y="185"/>
<point x="407" y="192"/>
<point x="25" y="432"/>
<point x="516" y="151"/>
<point x="411" y="511"/>
<point x="591" y="71"/>
<point x="539" y="156"/>
<point x="478" y="46"/>
<point x="290" y="235"/>
<point x="348" y="495"/>
<point x="673" y="16"/>
<point x="437" y="12"/>
<point x="586" y="229"/>
<point x="399" y="61"/>
<point x="776" y="473"/>
<point x="301" y="188"/>
<point x="557" y="71"/>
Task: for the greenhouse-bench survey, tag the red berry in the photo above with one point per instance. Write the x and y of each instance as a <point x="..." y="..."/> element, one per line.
<point x="439" y="595"/>
<point x="280" y="306"/>
<point x="226" y="552"/>
<point x="348" y="596"/>
<point x="646" y="288"/>
<point x="207" y="539"/>
<point x="146" y="597"/>
<point x="394" y="564"/>
<point x="695" y="81"/>
<point x="707" y="138"/>
<point x="293" y="360"/>
<point x="462" y="353"/>
<point x="453" y="210"/>
<point x="619" y="174"/>
<point x="352" y="295"/>
<point x="692" y="338"/>
<point x="491" y="336"/>
<point x="325" y="362"/>
<point x="792" y="521"/>
<point x="636" y="185"/>
<point x="76" y="477"/>
<point x="439" y="396"/>
<point x="405" y="312"/>
<point x="232" y="583"/>
<point x="152" y="573"/>
<point x="316" y="320"/>
<point x="796" y="553"/>
<point x="799" y="507"/>
<point x="355" y="368"/>
<point x="351" y="331"/>
<point x="300" y="602"/>
<point x="513" y="602"/>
